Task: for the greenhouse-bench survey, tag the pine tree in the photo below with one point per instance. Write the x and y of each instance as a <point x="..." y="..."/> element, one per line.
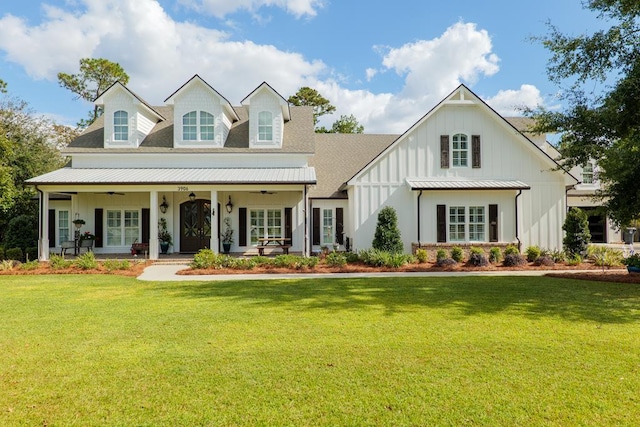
<point x="387" y="237"/>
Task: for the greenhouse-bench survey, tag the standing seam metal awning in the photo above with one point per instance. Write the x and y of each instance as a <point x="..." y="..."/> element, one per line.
<point x="466" y="184"/>
<point x="302" y="175"/>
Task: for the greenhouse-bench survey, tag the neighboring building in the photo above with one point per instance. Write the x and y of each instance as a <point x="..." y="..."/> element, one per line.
<point x="462" y="175"/>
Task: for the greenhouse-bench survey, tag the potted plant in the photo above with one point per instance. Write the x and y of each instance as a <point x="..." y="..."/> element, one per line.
<point x="78" y="222"/>
<point x="633" y="263"/>
<point x="164" y="236"/>
<point x="227" y="236"/>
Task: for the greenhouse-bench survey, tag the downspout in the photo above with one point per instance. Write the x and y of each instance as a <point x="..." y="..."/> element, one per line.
<point x="307" y="208"/>
<point x="40" y="218"/>
<point x="517" y="235"/>
<point x="419" y="240"/>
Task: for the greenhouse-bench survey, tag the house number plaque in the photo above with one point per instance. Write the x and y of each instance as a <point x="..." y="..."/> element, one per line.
<point x="183" y="188"/>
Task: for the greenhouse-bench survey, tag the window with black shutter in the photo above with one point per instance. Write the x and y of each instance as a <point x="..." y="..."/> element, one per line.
<point x="340" y="226"/>
<point x="315" y="235"/>
<point x="242" y="224"/>
<point x="475" y="151"/>
<point x="444" y="151"/>
<point x="493" y="223"/>
<point x="441" y="220"/>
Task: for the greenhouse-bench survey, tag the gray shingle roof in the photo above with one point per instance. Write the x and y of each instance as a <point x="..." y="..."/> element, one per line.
<point x="298" y="136"/>
<point x="340" y="156"/>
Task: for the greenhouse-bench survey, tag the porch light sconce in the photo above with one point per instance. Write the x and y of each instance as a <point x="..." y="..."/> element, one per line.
<point x="164" y="205"/>
<point x="192" y="197"/>
<point x="229" y="205"/>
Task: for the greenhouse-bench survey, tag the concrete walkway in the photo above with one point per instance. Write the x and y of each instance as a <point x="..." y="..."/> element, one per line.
<point x="167" y="273"/>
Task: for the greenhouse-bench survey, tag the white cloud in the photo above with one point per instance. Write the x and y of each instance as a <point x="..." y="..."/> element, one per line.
<point x="221" y="8"/>
<point x="508" y="102"/>
<point x="371" y="73"/>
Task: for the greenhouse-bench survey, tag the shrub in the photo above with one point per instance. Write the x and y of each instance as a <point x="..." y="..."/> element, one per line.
<point x="574" y="259"/>
<point x="422" y="255"/>
<point x="495" y="255"/>
<point x="533" y="253"/>
<point x="603" y="256"/>
<point x="312" y="261"/>
<point x="632" y="260"/>
<point x="1" y="253"/>
<point x="114" y="264"/>
<point x="30" y="265"/>
<point x="22" y="232"/>
<point x="205" y="258"/>
<point x="244" y="264"/>
<point x="57" y="262"/>
<point x="577" y="235"/>
<point x="14" y="254"/>
<point x="441" y="254"/>
<point x="557" y="256"/>
<point x="286" y="261"/>
<point x="31" y="254"/>
<point x="457" y="254"/>
<point x="387" y="236"/>
<point x="514" y="260"/>
<point x="86" y="261"/>
<point x="544" y="260"/>
<point x="477" y="257"/>
<point x="7" y="264"/>
<point x="352" y="257"/>
<point x="336" y="259"/>
<point x="511" y="250"/>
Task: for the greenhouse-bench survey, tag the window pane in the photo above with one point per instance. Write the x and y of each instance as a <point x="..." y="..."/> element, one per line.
<point x="114" y="230"/>
<point x="190" y="126"/>
<point x="456" y="223"/>
<point x="206" y="126"/>
<point x="459" y="150"/>
<point x="121" y="126"/>
<point x="265" y="126"/>
<point x="476" y="223"/>
<point x="327" y="226"/>
<point x="131" y="227"/>
<point x="274" y="223"/>
<point x="256" y="218"/>
<point x="63" y="227"/>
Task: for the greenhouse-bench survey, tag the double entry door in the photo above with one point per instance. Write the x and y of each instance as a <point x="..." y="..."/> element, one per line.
<point x="195" y="225"/>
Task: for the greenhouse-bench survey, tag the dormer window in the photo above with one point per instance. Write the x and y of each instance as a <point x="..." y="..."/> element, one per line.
<point x="197" y="127"/>
<point x="120" y="126"/>
<point x="265" y="126"/>
<point x="460" y="150"/>
<point x="587" y="173"/>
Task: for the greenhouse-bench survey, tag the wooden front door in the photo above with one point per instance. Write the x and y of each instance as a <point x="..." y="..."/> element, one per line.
<point x="195" y="225"/>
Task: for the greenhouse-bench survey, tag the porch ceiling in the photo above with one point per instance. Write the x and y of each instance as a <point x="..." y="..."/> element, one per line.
<point x="303" y="175"/>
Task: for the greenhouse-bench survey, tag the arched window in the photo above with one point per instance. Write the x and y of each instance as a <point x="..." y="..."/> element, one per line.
<point x="460" y="150"/>
<point x="120" y="126"/>
<point x="197" y="127"/>
<point x="265" y="126"/>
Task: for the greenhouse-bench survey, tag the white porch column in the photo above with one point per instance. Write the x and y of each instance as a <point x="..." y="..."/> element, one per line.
<point x="215" y="233"/>
<point x="43" y="253"/>
<point x="153" y="225"/>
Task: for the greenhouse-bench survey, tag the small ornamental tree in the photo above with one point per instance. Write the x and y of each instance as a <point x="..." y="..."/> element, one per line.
<point x="387" y="237"/>
<point x="577" y="235"/>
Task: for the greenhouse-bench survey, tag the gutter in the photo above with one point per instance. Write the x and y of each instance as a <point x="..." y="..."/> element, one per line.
<point x="40" y="218"/>
<point x="419" y="241"/>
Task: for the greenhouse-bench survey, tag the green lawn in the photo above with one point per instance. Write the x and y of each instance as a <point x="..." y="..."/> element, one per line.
<point x="103" y="350"/>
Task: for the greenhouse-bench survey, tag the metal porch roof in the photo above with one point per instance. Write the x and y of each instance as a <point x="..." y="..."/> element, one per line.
<point x="466" y="184"/>
<point x="301" y="175"/>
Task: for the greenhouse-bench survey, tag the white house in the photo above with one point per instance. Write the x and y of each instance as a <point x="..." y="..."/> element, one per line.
<point x="462" y="175"/>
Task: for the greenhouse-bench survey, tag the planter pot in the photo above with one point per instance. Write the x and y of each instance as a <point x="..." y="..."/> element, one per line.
<point x="631" y="269"/>
<point x="164" y="247"/>
<point x="226" y="247"/>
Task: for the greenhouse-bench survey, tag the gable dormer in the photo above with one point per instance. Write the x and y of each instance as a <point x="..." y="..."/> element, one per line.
<point x="128" y="119"/>
<point x="202" y="117"/>
<point x="268" y="111"/>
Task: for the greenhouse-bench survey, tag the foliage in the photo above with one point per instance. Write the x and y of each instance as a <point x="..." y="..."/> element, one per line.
<point x="22" y="232"/>
<point x="477" y="257"/>
<point x="511" y="250"/>
<point x="115" y="264"/>
<point x="544" y="260"/>
<point x="574" y="259"/>
<point x="603" y="256"/>
<point x="352" y="257"/>
<point x="347" y="124"/>
<point x="15" y="254"/>
<point x="532" y="253"/>
<point x="96" y="75"/>
<point x="227" y="234"/>
<point x="601" y="121"/>
<point x="387" y="236"/>
<point x="3" y="86"/>
<point x="336" y="259"/>
<point x="422" y="255"/>
<point x="163" y="233"/>
<point x="514" y="260"/>
<point x="557" y="256"/>
<point x="57" y="262"/>
<point x="8" y="264"/>
<point x="632" y="261"/>
<point x="577" y="235"/>
<point x="457" y="254"/>
<point x="495" y="255"/>
<point x="86" y="261"/>
<point x="441" y="254"/>
<point x="30" y="265"/>
<point x="311" y="97"/>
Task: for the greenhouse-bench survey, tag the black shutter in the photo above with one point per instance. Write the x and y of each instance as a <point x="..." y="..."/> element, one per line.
<point x="475" y="151"/>
<point x="441" y="220"/>
<point x="339" y="226"/>
<point x="242" y="231"/>
<point x="97" y="217"/>
<point x="288" y="223"/>
<point x="444" y="151"/>
<point x="51" y="232"/>
<point x="493" y="223"/>
<point x="146" y="225"/>
<point x="315" y="239"/>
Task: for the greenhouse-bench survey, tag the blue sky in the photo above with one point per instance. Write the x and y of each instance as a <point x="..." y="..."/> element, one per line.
<point x="386" y="62"/>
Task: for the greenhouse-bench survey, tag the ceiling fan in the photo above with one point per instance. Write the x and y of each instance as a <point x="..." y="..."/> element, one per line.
<point x="111" y="193"/>
<point x="263" y="192"/>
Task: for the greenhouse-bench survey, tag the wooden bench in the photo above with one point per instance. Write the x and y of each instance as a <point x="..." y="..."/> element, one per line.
<point x="285" y="248"/>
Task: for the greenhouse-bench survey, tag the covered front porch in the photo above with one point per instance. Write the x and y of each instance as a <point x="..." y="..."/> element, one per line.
<point x="189" y="216"/>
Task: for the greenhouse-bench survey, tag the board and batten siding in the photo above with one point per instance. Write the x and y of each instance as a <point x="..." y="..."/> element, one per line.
<point x="504" y="154"/>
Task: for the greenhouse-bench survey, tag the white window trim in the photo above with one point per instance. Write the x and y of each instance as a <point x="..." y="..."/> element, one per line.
<point x="59" y="229"/>
<point x="125" y="126"/>
<point x="265" y="227"/>
<point x="258" y="139"/>
<point x="123" y="241"/>
<point x="331" y="227"/>
<point x="460" y="150"/>
<point x="467" y="224"/>
<point x="198" y="125"/>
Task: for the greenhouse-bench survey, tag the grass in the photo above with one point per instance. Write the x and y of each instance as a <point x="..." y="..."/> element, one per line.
<point x="102" y="350"/>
